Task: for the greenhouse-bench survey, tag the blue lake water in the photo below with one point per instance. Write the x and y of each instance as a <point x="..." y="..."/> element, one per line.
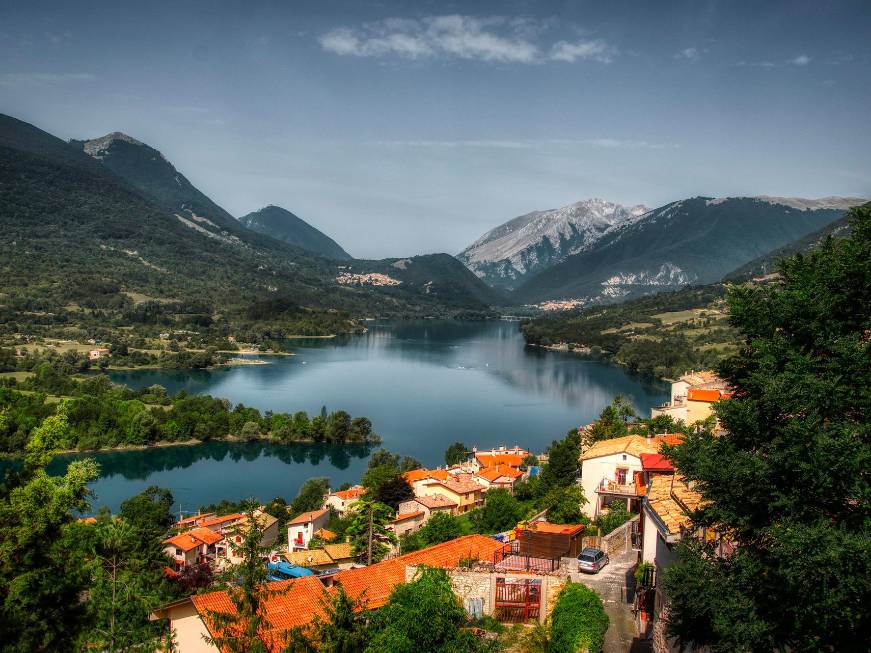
<point x="423" y="384"/>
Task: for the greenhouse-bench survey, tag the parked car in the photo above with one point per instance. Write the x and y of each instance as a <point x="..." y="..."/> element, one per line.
<point x="592" y="560"/>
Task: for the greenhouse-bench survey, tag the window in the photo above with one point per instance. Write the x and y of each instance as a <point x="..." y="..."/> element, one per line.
<point x="621" y="475"/>
<point x="178" y="551"/>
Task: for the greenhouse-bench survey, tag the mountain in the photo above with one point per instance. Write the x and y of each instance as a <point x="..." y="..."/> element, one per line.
<point x="84" y="248"/>
<point x="514" y="252"/>
<point x="283" y="225"/>
<point x="692" y="241"/>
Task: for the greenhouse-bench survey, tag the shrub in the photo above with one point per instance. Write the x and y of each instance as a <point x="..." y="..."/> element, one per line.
<point x="616" y="516"/>
<point x="578" y="621"/>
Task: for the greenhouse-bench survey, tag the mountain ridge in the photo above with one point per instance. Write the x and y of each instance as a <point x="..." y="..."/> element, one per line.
<point x="281" y="224"/>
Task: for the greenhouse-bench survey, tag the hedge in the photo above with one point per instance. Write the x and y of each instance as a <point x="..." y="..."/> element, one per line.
<point x="578" y="621"/>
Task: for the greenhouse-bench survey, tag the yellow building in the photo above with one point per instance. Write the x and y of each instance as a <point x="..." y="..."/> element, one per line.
<point x="693" y="396"/>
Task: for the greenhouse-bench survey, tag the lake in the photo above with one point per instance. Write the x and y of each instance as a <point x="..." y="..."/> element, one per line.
<point x="424" y="385"/>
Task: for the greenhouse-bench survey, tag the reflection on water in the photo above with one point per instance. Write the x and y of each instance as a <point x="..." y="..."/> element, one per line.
<point x="423" y="384"/>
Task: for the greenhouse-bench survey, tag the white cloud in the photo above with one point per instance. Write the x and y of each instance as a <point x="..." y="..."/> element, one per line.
<point x="692" y="54"/>
<point x="800" y="60"/>
<point x="44" y="79"/>
<point x="492" y="39"/>
<point x="596" y="50"/>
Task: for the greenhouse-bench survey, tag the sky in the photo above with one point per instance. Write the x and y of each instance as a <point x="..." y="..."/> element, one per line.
<point x="401" y="128"/>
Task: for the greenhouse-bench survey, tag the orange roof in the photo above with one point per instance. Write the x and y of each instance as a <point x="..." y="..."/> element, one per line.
<point x="217" y="521"/>
<point x="351" y="493"/>
<point x="556" y="529"/>
<point x="325" y="534"/>
<point x="296" y="603"/>
<point x="672" y="500"/>
<point x="378" y="580"/>
<point x="498" y="471"/>
<point x="340" y="551"/>
<point x="194" y="518"/>
<point x="416" y="475"/>
<point x="406" y="515"/>
<point x="184" y="541"/>
<point x="488" y="459"/>
<point x="87" y="520"/>
<point x="204" y="534"/>
<point x="634" y="445"/>
<point x="308" y="516"/>
<point x="701" y="394"/>
<point x="460" y="483"/>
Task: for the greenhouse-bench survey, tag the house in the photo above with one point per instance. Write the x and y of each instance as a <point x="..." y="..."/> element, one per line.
<point x="342" y="500"/>
<point x="418" y="478"/>
<point x="329" y="557"/>
<point x="462" y="489"/>
<point x="499" y="476"/>
<point x="667" y="508"/>
<point x="296" y="603"/>
<point x="98" y="353"/>
<point x="513" y="457"/>
<point x="193" y="546"/>
<point x="226" y="554"/>
<point x="407" y="522"/>
<point x="185" y="523"/>
<point x="222" y="522"/>
<point x="301" y="529"/>
<point x="693" y="396"/>
<point x="429" y="504"/>
<point x="341" y="554"/>
<point x="611" y="471"/>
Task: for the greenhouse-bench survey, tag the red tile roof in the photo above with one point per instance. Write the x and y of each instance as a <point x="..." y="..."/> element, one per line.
<point x="498" y="471"/>
<point x="295" y="603"/>
<point x="701" y="394"/>
<point x="351" y="493"/>
<point x="406" y="515"/>
<point x="656" y="462"/>
<point x="416" y="475"/>
<point x="512" y="460"/>
<point x="308" y="516"/>
<point x="194" y="518"/>
<point x="376" y="582"/>
<point x="460" y="483"/>
<point x="432" y="501"/>
<point x="217" y="521"/>
<point x="184" y="541"/>
<point x="206" y="535"/>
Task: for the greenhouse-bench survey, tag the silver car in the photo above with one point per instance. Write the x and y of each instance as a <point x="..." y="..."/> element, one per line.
<point x="592" y="560"/>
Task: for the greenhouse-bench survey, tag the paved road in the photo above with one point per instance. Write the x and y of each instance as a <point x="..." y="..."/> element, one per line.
<point x="615" y="583"/>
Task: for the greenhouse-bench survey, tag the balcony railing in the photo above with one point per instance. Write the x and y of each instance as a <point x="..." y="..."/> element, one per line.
<point x="608" y="486"/>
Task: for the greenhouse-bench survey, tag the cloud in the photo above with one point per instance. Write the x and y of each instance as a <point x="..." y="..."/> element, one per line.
<point x="691" y="54"/>
<point x="44" y="79"/>
<point x="800" y="60"/>
<point x="596" y="50"/>
<point x="492" y="39"/>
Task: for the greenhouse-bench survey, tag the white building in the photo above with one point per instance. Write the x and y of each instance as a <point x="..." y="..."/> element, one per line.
<point x="301" y="529"/>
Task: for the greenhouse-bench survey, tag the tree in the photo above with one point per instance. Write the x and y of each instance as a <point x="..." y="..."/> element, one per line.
<point x="149" y="511"/>
<point x="789" y="482"/>
<point x="456" y="453"/>
<point x="423" y="615"/>
<point x="250" y="431"/>
<point x="441" y="527"/>
<point x="310" y="496"/>
<point x="578" y="621"/>
<point x="563" y="463"/>
<point x="564" y="505"/>
<point x="342" y="629"/>
<point x="612" y="421"/>
<point x="501" y="511"/>
<point x="393" y="491"/>
<point x="368" y="531"/>
<point x="193" y="577"/>
<point x="239" y="631"/>
<point x="43" y="571"/>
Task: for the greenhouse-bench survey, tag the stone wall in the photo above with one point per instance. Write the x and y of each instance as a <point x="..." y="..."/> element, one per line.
<point x="616" y="542"/>
<point x="471" y="584"/>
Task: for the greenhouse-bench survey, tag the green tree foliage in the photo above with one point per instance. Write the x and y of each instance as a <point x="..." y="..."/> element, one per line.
<point x="564" y="462"/>
<point x="456" y="453"/>
<point x="423" y="615"/>
<point x="564" y="505"/>
<point x="578" y="621"/>
<point x="617" y="515"/>
<point x="501" y="511"/>
<point x="100" y="414"/>
<point x="612" y="422"/>
<point x="441" y="527"/>
<point x="789" y="483"/>
<point x="149" y="511"/>
<point x="43" y="571"/>
<point x="383" y="479"/>
<point x="240" y="631"/>
<point x="310" y="496"/>
<point x="367" y="530"/>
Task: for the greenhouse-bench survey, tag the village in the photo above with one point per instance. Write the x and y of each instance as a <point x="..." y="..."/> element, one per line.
<point x="514" y="576"/>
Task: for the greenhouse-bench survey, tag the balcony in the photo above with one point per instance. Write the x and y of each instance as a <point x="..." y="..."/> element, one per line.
<point x="609" y="486"/>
